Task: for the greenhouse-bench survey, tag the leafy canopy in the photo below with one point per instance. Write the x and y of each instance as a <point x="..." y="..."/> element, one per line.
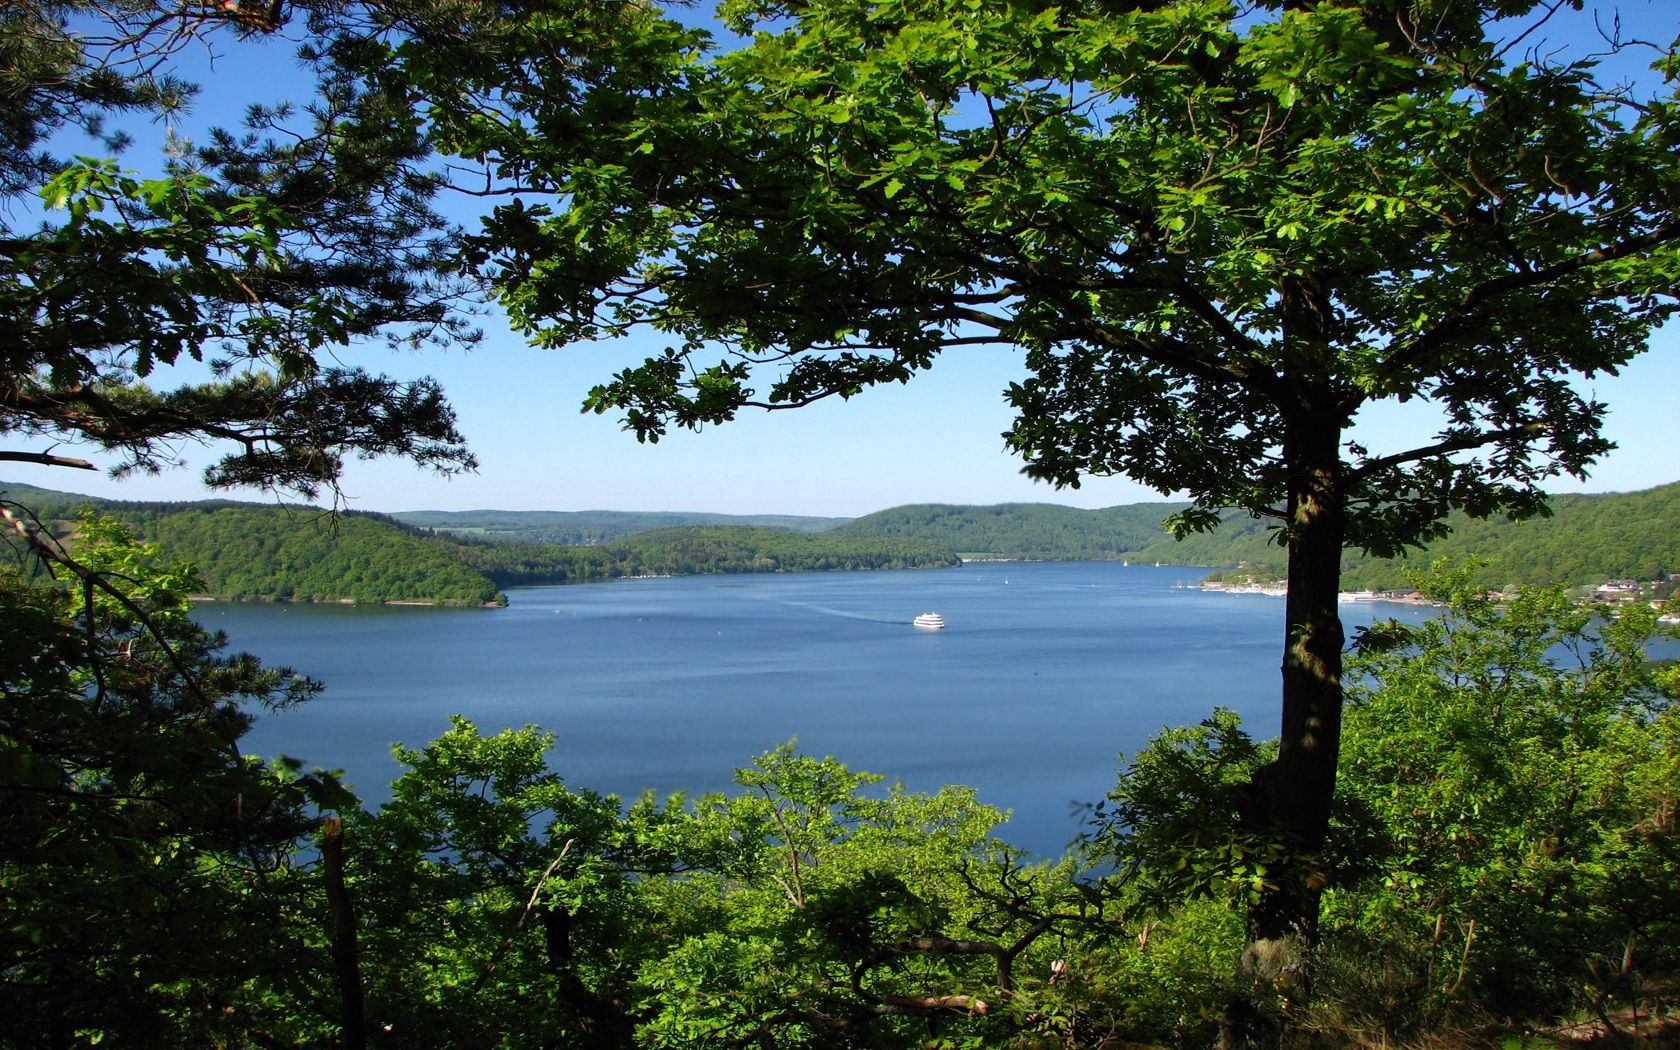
<point x="1216" y="231"/>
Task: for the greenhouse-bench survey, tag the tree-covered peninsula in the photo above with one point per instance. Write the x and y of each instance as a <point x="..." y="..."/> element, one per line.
<point x="265" y="552"/>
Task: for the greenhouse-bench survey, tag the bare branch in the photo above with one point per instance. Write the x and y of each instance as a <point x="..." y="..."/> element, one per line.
<point x="46" y="459"/>
<point x="795" y="890"/>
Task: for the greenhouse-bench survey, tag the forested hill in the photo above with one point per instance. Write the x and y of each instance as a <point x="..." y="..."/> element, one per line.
<point x="1023" y="530"/>
<point x="590" y="527"/>
<point x="1589" y="539"/>
<point x="249" y="551"/>
<point x="303" y="554"/>
<point x="263" y="551"/>
<point x="692" y="551"/>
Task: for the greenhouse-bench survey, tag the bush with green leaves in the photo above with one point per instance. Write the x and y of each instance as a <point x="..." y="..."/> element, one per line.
<point x="1507" y="845"/>
<point x="139" y="849"/>
<point x="809" y="910"/>
<point x="1520" y="760"/>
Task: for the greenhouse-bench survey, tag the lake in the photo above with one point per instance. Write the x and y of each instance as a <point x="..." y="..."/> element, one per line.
<point x="1043" y="676"/>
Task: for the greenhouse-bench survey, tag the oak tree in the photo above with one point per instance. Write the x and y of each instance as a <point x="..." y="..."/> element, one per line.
<point x="1217" y="232"/>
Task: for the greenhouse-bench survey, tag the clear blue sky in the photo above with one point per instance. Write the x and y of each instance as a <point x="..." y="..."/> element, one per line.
<point x="936" y="439"/>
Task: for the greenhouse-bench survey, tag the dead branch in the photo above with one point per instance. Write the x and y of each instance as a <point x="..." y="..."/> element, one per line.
<point x="46" y="459"/>
<point x="966" y="1004"/>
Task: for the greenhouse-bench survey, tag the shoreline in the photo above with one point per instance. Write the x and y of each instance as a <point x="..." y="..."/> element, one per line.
<point x="1278" y="590"/>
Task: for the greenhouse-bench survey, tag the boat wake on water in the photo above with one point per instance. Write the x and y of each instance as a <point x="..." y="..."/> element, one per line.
<point x="827" y="610"/>
<point x="846" y="615"/>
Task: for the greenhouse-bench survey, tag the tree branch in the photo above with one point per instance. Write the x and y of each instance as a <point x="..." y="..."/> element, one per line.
<point x="795" y="890"/>
<point x="46" y="459"/>
<point x="1468" y="311"/>
<point x="51" y="552"/>
<point x="1441" y="448"/>
<point x="524" y="916"/>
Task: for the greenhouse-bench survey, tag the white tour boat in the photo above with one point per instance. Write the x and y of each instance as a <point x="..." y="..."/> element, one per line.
<point x="931" y="621"/>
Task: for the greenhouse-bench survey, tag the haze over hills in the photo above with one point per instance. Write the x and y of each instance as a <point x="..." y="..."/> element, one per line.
<point x="586" y="527"/>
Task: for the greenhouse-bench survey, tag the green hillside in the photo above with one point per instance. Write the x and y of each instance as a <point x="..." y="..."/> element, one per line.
<point x="297" y="554"/>
<point x="737" y="549"/>
<point x="266" y="551"/>
<point x="36" y="498"/>
<point x="248" y="551"/>
<point x="1023" y="530"/>
<point x="691" y="551"/>
<point x="1588" y="539"/>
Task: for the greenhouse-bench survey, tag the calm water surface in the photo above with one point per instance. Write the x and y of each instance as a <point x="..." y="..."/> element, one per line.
<point x="1044" y="674"/>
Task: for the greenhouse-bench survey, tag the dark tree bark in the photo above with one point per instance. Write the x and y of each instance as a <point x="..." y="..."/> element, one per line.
<point x="342" y="935"/>
<point x="1296" y="795"/>
<point x="1290" y="799"/>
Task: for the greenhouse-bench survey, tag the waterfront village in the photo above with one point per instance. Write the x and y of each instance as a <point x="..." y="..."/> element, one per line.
<point x="1610" y="592"/>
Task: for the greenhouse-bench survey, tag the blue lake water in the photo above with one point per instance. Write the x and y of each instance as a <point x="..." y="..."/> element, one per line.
<point x="1043" y="676"/>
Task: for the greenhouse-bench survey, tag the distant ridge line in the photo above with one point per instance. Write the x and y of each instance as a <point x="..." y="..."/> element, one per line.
<point x="1588" y="539"/>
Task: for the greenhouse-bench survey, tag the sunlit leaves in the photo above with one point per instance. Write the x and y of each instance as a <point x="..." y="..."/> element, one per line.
<point x="1505" y="751"/>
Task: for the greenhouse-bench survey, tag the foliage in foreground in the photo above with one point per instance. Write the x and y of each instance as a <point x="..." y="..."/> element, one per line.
<point x="1519" y="767"/>
<point x="142" y="856"/>
<point x="1506" y="849"/>
<point x="1506" y="845"/>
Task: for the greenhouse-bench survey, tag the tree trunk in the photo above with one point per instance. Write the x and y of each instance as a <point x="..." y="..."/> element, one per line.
<point x="341" y="934"/>
<point x="1291" y="798"/>
<point x="1294" y="798"/>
